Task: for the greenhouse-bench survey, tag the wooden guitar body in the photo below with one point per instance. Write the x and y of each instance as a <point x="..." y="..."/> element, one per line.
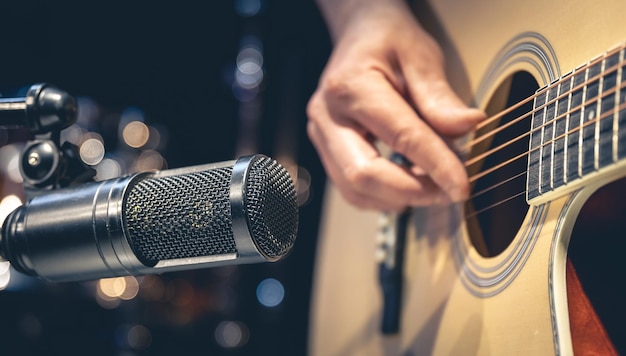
<point x="460" y="296"/>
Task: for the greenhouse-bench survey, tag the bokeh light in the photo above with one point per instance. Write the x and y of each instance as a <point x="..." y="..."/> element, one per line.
<point x="270" y="292"/>
<point x="5" y="274"/>
<point x="248" y="8"/>
<point x="92" y="151"/>
<point x="9" y="162"/>
<point x="136" y="134"/>
<point x="231" y="334"/>
<point x="111" y="291"/>
<point x="108" y="169"/>
<point x="7" y="205"/>
<point x="149" y="160"/>
<point x="139" y="337"/>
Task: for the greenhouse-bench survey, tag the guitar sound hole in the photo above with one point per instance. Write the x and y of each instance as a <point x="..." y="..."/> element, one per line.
<point x="497" y="205"/>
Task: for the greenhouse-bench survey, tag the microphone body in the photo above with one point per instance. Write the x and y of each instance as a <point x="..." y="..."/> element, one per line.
<point x="234" y="212"/>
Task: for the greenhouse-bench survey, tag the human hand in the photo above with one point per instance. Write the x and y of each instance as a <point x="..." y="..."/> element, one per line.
<point x="385" y="81"/>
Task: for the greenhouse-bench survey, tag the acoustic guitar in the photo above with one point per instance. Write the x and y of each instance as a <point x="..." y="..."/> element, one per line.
<point x="531" y="263"/>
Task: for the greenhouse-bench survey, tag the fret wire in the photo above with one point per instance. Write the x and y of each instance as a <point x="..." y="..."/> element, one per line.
<point x="595" y="119"/>
<point x="543" y="124"/>
<point x="596" y="136"/>
<point x="495" y="149"/>
<point x="618" y="80"/>
<point x="582" y="120"/>
<point x="521" y="155"/>
<point x="476" y="140"/>
<point x="590" y="64"/>
<point x="567" y="117"/>
<point x="504" y="200"/>
<point x="554" y="123"/>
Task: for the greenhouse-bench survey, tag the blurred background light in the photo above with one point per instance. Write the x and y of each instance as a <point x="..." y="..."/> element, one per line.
<point x="154" y="138"/>
<point x="270" y="292"/>
<point x="73" y="134"/>
<point x="9" y="162"/>
<point x="92" y="151"/>
<point x="8" y="204"/>
<point x="251" y="78"/>
<point x="139" y="337"/>
<point x="108" y="169"/>
<point x="112" y="287"/>
<point x="231" y="334"/>
<point x="125" y="288"/>
<point x="149" y="161"/>
<point x="248" y="8"/>
<point x="5" y="274"/>
<point x="136" y="134"/>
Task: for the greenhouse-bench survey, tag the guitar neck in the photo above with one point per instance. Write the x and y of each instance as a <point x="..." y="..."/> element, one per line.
<point x="578" y="126"/>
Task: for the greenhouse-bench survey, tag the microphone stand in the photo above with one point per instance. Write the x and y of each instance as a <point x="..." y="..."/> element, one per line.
<point x="45" y="163"/>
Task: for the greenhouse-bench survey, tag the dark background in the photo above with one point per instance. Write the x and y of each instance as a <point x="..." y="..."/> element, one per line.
<point x="175" y="62"/>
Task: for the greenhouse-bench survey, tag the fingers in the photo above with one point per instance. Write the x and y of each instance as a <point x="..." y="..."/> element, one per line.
<point x="438" y="104"/>
<point x="392" y="88"/>
<point x="364" y="177"/>
<point x="426" y="87"/>
<point x="371" y="101"/>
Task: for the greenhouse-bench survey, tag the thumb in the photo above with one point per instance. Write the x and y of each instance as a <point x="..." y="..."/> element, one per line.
<point x="435" y="100"/>
<point x="439" y="105"/>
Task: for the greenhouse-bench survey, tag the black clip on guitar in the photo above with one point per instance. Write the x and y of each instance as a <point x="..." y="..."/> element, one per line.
<point x="392" y="237"/>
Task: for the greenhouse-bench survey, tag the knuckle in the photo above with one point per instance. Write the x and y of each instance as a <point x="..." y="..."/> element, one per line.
<point x="313" y="107"/>
<point x="405" y="139"/>
<point x="312" y="130"/>
<point x="352" y="198"/>
<point x="358" y="176"/>
<point x="358" y="200"/>
<point x="433" y="50"/>
<point x="339" y="87"/>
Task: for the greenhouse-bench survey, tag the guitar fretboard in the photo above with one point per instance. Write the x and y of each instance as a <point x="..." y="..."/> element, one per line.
<point x="578" y="124"/>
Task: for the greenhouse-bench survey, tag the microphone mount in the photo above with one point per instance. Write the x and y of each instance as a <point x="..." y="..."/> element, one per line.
<point x="45" y="163"/>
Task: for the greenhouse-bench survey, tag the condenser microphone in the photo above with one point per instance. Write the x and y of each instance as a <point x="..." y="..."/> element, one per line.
<point x="235" y="212"/>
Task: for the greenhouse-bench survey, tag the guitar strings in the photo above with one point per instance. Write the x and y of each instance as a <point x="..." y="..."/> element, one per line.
<point x="503" y="164"/>
<point x="471" y="215"/>
<point x="527" y="115"/>
<point x="523" y="154"/>
<point x="475" y="141"/>
<point x="556" y="83"/>
<point x="551" y="122"/>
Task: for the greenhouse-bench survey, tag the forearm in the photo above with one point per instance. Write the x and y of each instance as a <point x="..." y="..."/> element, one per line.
<point x="338" y="14"/>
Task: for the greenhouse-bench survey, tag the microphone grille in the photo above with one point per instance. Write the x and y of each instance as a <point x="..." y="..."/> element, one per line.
<point x="180" y="216"/>
<point x="272" y="207"/>
<point x="189" y="215"/>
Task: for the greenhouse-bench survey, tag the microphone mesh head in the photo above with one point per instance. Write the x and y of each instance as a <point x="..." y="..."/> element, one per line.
<point x="272" y="207"/>
<point x="189" y="215"/>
